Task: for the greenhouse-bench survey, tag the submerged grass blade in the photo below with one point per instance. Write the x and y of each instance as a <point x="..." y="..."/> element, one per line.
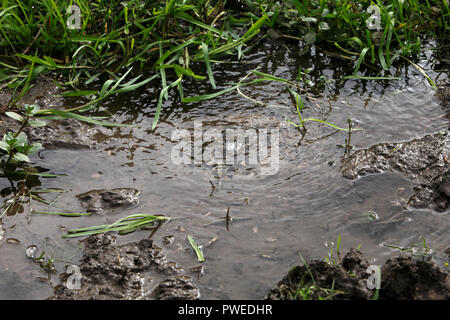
<point x="355" y="77"/>
<point x="208" y="96"/>
<point x="197" y="249"/>
<point x="332" y="125"/>
<point x="422" y="72"/>
<point x="63" y="214"/>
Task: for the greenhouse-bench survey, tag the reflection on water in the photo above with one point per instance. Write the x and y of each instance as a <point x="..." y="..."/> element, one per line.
<point x="304" y="205"/>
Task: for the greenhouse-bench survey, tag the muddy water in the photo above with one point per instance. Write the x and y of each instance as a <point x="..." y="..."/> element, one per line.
<point x="300" y="209"/>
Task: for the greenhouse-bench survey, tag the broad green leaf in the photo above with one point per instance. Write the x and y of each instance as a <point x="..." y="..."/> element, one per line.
<point x="21" y="157"/>
<point x="35" y="147"/>
<point x="15" y="116"/>
<point x="37" y="123"/>
<point x="21" y="140"/>
<point x="5" y="146"/>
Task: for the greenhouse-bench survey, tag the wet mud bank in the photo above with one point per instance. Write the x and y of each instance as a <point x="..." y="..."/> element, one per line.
<point x="424" y="161"/>
<point x="136" y="270"/>
<point x="64" y="133"/>
<point x="402" y="278"/>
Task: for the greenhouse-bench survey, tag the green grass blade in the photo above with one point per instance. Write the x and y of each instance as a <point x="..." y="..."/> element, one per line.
<point x="63" y="214"/>
<point x="208" y="65"/>
<point x="67" y="114"/>
<point x="360" y="60"/>
<point x="208" y="96"/>
<point x="161" y="95"/>
<point x="355" y="77"/>
<point x="332" y="125"/>
<point x="197" y="249"/>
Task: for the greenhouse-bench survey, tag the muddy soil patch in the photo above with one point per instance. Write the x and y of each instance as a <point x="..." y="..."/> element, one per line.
<point x="66" y="133"/>
<point x="402" y="277"/>
<point x="443" y="94"/>
<point x="128" y="271"/>
<point x="424" y="160"/>
<point x="98" y="201"/>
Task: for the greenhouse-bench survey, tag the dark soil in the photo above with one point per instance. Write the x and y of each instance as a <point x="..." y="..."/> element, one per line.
<point x="402" y="277"/>
<point x="424" y="160"/>
<point x="444" y="95"/>
<point x="66" y="133"/>
<point x="127" y="271"/>
<point x="97" y="201"/>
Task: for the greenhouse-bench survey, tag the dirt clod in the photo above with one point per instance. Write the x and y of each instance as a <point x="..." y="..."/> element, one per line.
<point x="109" y="200"/>
<point x="402" y="278"/>
<point x="127" y="271"/>
<point x="406" y="278"/>
<point x="424" y="160"/>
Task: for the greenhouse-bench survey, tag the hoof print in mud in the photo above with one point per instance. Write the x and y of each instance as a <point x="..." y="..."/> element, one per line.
<point x="424" y="160"/>
<point x="127" y="271"/>
<point x="402" y="278"/>
<point x="410" y="279"/>
<point x="177" y="288"/>
<point x="98" y="201"/>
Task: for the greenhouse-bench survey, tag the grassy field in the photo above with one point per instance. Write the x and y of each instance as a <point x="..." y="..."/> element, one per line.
<point x="114" y="36"/>
<point x="78" y="43"/>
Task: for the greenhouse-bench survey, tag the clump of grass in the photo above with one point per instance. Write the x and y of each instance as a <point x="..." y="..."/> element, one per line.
<point x="372" y="32"/>
<point x="334" y="259"/>
<point x="307" y="289"/>
<point x="169" y="36"/>
<point x="124" y="225"/>
<point x="113" y="36"/>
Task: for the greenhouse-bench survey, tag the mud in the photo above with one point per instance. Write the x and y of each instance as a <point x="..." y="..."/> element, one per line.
<point x="402" y="277"/>
<point x="106" y="201"/>
<point x="443" y="94"/>
<point x="65" y="133"/>
<point x="406" y="278"/>
<point x="424" y="160"/>
<point x="127" y="271"/>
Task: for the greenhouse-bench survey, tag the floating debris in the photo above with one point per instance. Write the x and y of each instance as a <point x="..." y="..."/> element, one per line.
<point x="168" y="239"/>
<point x="266" y="256"/>
<point x="30" y="252"/>
<point x="13" y="241"/>
<point x="210" y="242"/>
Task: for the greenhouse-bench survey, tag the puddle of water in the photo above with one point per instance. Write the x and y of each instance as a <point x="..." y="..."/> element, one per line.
<point x="306" y="204"/>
